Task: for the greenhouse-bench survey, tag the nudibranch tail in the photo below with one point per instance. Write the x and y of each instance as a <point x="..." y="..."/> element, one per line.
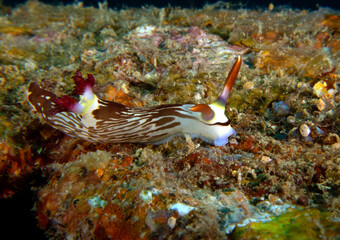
<point x="98" y="120"/>
<point x="222" y="99"/>
<point x="43" y="101"/>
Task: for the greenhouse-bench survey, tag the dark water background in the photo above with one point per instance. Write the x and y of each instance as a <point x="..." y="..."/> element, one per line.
<point x="310" y="4"/>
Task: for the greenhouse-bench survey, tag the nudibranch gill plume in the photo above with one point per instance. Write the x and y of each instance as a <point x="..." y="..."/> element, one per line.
<point x="98" y="120"/>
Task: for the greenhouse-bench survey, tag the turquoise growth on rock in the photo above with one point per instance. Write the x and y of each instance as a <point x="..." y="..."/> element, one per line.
<point x="294" y="224"/>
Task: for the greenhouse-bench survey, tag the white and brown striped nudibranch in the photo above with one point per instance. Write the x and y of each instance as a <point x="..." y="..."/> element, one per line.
<point x="98" y="120"/>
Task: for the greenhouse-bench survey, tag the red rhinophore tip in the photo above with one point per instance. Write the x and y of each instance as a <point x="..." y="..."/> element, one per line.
<point x="63" y="104"/>
<point x="82" y="83"/>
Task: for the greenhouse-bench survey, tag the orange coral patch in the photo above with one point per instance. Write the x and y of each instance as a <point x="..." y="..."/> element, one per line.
<point x="128" y="161"/>
<point x="112" y="94"/>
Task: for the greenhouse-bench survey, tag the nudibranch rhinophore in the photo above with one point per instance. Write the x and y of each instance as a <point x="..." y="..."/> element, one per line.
<point x="98" y="120"/>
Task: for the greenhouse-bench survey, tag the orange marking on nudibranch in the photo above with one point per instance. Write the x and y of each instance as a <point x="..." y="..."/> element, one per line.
<point x="205" y="110"/>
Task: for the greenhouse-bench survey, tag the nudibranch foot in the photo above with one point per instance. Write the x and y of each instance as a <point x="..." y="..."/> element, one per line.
<point x="98" y="120"/>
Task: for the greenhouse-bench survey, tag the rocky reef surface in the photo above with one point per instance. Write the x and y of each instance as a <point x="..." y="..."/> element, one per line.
<point x="279" y="177"/>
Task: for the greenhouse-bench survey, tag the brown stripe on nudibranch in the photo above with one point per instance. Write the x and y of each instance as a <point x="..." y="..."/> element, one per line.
<point x="98" y="120"/>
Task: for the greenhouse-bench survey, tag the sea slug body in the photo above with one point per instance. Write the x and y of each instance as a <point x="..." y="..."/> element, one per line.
<point x="98" y="120"/>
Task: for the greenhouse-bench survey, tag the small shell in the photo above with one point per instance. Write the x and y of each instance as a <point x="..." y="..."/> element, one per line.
<point x="248" y="85"/>
<point x="265" y="159"/>
<point x="172" y="222"/>
<point x="320" y="89"/>
<point x="320" y="104"/>
<point x="304" y="130"/>
<point x="291" y="119"/>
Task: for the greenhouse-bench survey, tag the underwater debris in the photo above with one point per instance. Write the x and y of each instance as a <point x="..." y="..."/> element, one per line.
<point x="181" y="208"/>
<point x="304" y="130"/>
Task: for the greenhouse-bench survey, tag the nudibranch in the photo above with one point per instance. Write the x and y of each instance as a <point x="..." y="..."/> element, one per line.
<point x="98" y="120"/>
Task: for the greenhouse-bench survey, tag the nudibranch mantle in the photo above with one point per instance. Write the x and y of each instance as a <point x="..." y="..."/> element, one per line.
<point x="97" y="120"/>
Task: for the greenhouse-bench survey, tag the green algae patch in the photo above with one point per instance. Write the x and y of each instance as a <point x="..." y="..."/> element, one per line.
<point x="294" y="224"/>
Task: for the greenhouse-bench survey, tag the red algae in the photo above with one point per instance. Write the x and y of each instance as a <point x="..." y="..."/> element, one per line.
<point x="15" y="166"/>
